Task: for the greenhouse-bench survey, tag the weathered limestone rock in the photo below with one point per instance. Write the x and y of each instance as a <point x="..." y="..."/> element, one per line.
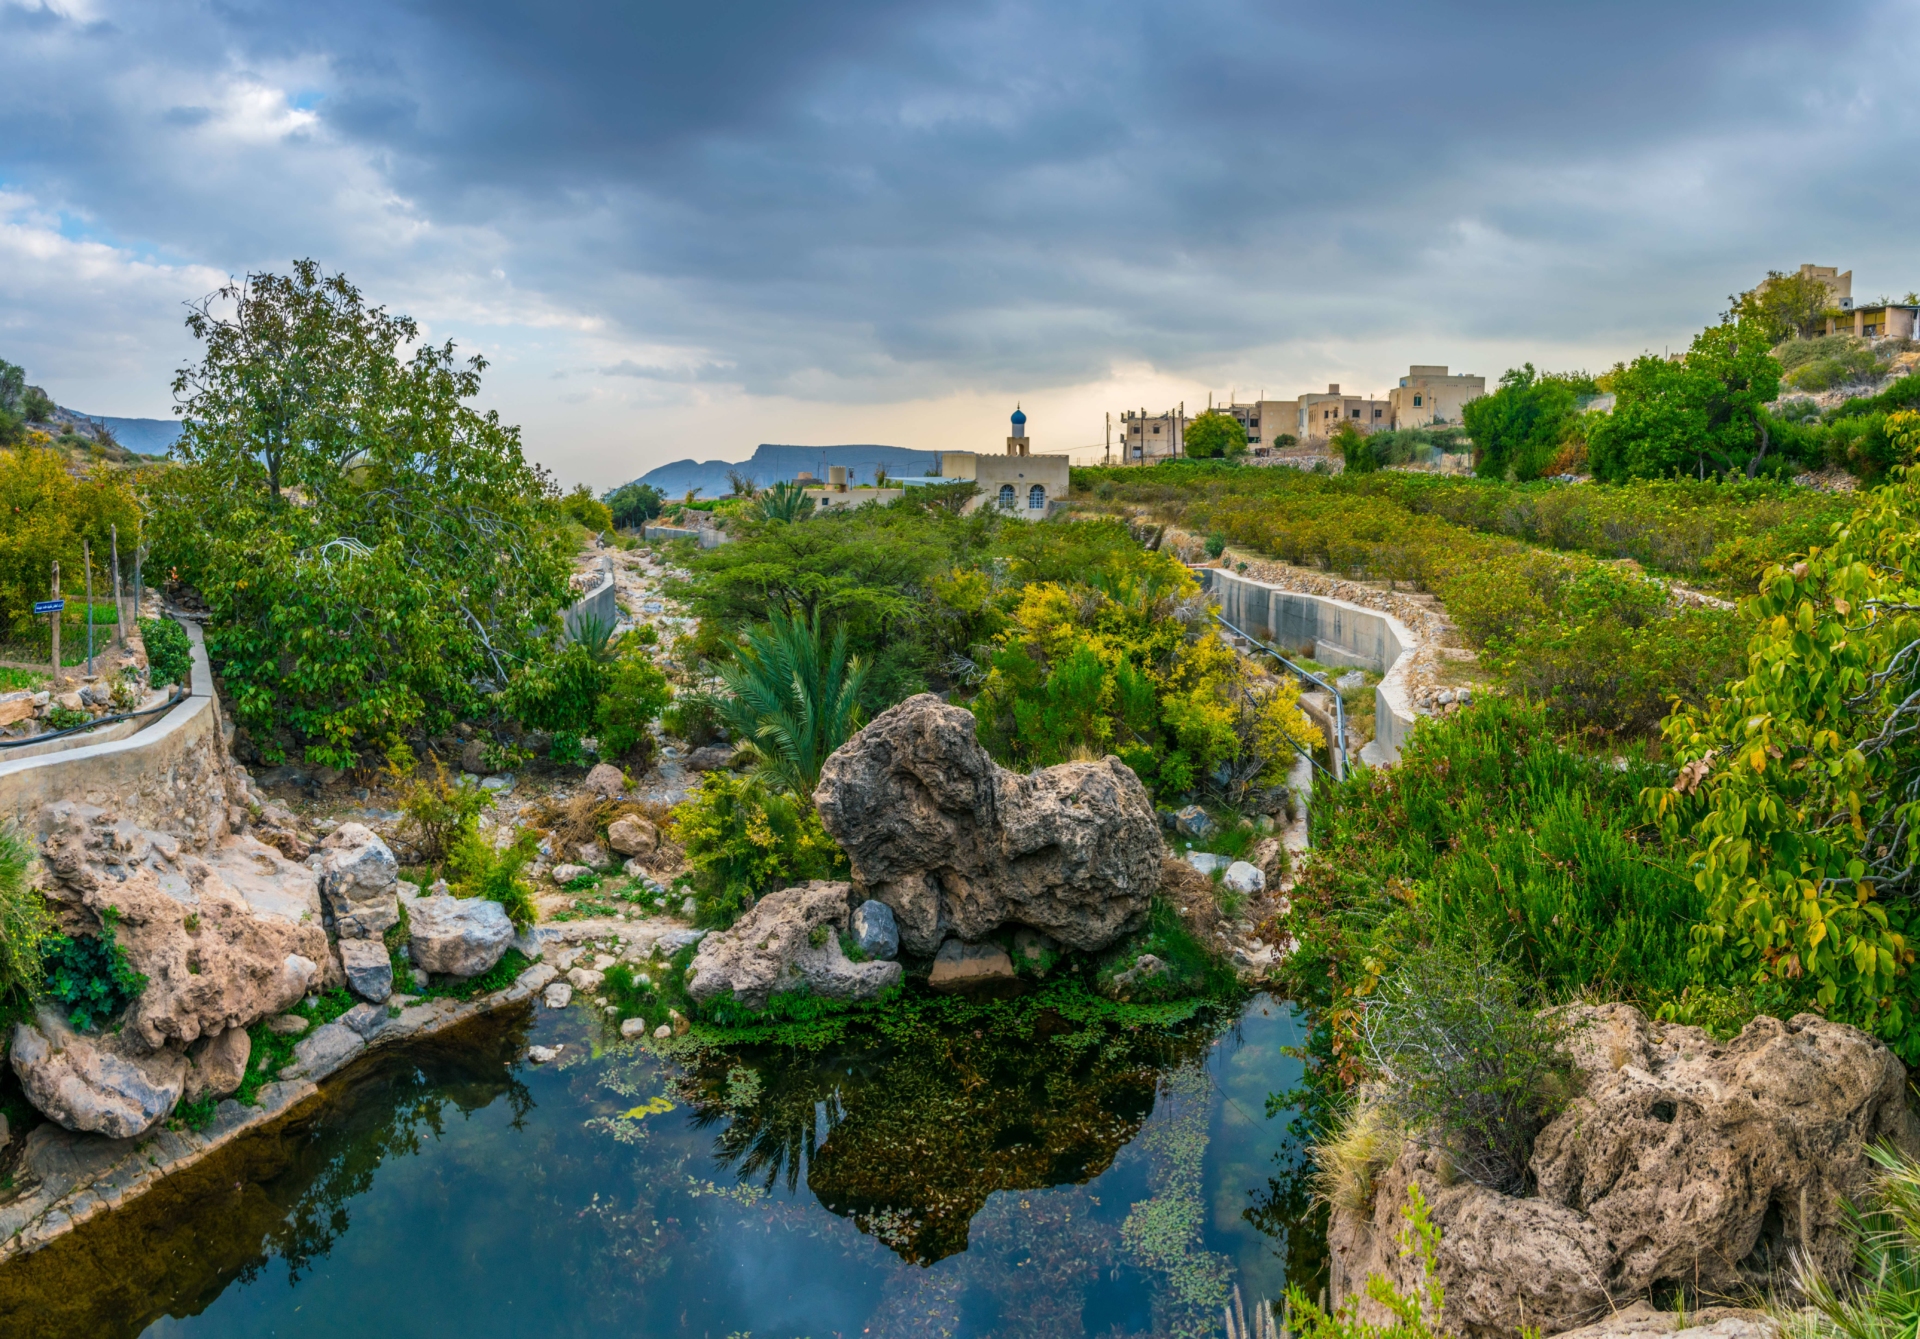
<point x="99" y="1085"/>
<point x="960" y="966"/>
<point x="369" y="968"/>
<point x="1244" y="878"/>
<point x="288" y="1025"/>
<point x="591" y="854"/>
<point x="1684" y="1159"/>
<point x="458" y="936"/>
<point x="217" y="1064"/>
<point x="874" y="930"/>
<point x="357" y="877"/>
<point x="1713" y="1161"/>
<point x="1195" y="823"/>
<point x="1642" y="1321"/>
<point x="325" y="1050"/>
<point x="712" y="758"/>
<point x="1503" y="1261"/>
<point x="606" y="779"/>
<point x="959" y="846"/>
<point x="632" y="835"/>
<point x="365" y="1019"/>
<point x="790" y="940"/>
<point x="566" y="874"/>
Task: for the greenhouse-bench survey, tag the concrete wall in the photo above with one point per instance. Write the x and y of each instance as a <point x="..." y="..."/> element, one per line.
<point x="173" y="776"/>
<point x="597" y="603"/>
<point x="1334" y="632"/>
<point x="708" y="539"/>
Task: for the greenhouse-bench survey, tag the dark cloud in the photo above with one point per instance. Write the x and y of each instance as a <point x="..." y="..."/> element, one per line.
<point x="871" y="199"/>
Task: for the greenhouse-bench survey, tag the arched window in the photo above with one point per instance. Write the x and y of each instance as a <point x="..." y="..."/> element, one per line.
<point x="1036" y="498"/>
<point x="1006" y="496"/>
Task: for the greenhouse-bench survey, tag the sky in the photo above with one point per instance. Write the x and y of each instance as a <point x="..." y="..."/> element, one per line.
<point x="681" y="230"/>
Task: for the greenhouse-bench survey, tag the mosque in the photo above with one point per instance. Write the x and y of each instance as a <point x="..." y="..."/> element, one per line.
<point x="1017" y="483"/>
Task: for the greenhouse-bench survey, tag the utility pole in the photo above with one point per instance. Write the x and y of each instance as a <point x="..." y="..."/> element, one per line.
<point x="1107" y="459"/>
<point x="1180" y="427"/>
<point x="86" y="560"/>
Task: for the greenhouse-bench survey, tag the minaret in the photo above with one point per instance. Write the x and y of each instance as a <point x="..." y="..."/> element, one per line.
<point x="1017" y="443"/>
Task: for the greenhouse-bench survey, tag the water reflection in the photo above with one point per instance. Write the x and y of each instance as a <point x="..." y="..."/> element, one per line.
<point x="1067" y="1180"/>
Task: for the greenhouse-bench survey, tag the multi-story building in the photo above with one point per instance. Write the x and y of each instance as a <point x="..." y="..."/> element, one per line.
<point x="1429" y="396"/>
<point x="1839" y="286"/>
<point x="1146" y="439"/>
<point x="1316" y="417"/>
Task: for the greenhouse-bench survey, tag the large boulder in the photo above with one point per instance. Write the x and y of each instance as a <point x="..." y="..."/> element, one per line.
<point x="789" y="940"/>
<point x="632" y="835"/>
<point x="959" y="846"/>
<point x="1683" y="1161"/>
<point x="358" y="874"/>
<point x="1711" y="1161"/>
<point x="369" y="968"/>
<point x="98" y="1085"/>
<point x="215" y="1065"/>
<point x="458" y="936"/>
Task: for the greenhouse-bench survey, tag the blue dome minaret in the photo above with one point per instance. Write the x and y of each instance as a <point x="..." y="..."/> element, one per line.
<point x="1017" y="441"/>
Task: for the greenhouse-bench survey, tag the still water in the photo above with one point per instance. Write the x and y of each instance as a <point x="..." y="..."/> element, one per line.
<point x="1064" y="1181"/>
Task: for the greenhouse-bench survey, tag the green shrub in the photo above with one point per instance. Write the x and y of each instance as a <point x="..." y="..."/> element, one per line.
<point x="169" y="653"/>
<point x="1465" y="1061"/>
<point x="743" y="839"/>
<point x="1415" y="1315"/>
<point x="693" y="718"/>
<point x="1190" y="970"/>
<point x="196" y="1115"/>
<point x="560" y="694"/>
<point x="1883" y="1296"/>
<point x="1216" y="544"/>
<point x="637" y="691"/>
<point x="67" y="718"/>
<point x="437" y="812"/>
<point x="476" y="869"/>
<point x="89" y="976"/>
<point x="25" y="923"/>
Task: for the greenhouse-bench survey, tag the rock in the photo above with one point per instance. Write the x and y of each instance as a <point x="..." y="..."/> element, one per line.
<point x="501" y="784"/>
<point x="357" y="878"/>
<point x="606" y="779"/>
<point x="958" y="846"/>
<point x="1351" y="681"/>
<point x="633" y="1027"/>
<point x="365" y="1019"/>
<point x="558" y="995"/>
<point x="662" y="1032"/>
<point x="586" y="979"/>
<point x="789" y="940"/>
<point x="21" y="709"/>
<point x="538" y="742"/>
<point x="1503" y="1261"/>
<point x="1145" y="969"/>
<point x="591" y="854"/>
<point x="473" y="757"/>
<point x="679" y="1022"/>
<point x="418" y="977"/>
<point x="1245" y="878"/>
<point x="537" y="977"/>
<point x="959" y="966"/>
<point x="689" y="908"/>
<point x="1195" y="823"/>
<point x="633" y="835"/>
<point x="712" y="758"/>
<point x="217" y="1064"/>
<point x="544" y="1055"/>
<point x="458" y="936"/>
<point x="1206" y="862"/>
<point x="323" y="1052"/>
<point x="1642" y="1321"/>
<point x="288" y="1025"/>
<point x="440" y="888"/>
<point x="368" y="966"/>
<point x="71" y="701"/>
<point x="96" y="1085"/>
<point x="874" y="931"/>
<point x="1033" y="949"/>
<point x="1709" y="1160"/>
<point x="566" y="874"/>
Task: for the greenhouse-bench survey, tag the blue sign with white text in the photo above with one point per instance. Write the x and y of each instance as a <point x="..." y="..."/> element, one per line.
<point x="48" y="606"/>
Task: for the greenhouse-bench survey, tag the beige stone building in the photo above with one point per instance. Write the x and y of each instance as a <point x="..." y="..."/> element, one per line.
<point x="1876" y="321"/>
<point x="1839" y="286"/>
<point x="1018" y="482"/>
<point x="1148" y="439"/>
<point x="1430" y="396"/>
<point x="1316" y="416"/>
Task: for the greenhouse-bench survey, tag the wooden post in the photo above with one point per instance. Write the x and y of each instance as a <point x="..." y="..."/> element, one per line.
<point x="119" y="607"/>
<point x="86" y="560"/>
<point x="55" y="616"/>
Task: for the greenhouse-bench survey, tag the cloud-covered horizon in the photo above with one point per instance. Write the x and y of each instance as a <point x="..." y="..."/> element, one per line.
<point x="679" y="231"/>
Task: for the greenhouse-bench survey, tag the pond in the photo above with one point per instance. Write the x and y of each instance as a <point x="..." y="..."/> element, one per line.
<point x="1040" y="1178"/>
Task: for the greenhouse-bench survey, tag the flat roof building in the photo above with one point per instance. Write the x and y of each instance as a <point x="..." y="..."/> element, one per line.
<point x="1429" y="396"/>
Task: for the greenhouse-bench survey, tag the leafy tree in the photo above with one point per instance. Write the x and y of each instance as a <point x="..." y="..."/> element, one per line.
<point x="793" y="698"/>
<point x="636" y="693"/>
<point x="377" y="554"/>
<point x="13" y="388"/>
<point x="1781" y="306"/>
<point x="36" y="406"/>
<point x="1354" y="449"/>
<point x="45" y="514"/>
<point x="634" y="504"/>
<point x="1518" y="428"/>
<point x="1700" y="414"/>
<point x="582" y="506"/>
<point x="1215" y="436"/>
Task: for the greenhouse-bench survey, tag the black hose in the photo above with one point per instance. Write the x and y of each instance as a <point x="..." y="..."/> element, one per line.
<point x="179" y="695"/>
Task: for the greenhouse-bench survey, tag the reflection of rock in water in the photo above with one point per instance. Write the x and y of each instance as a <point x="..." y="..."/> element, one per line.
<point x="279" y="1192"/>
<point x="911" y="1137"/>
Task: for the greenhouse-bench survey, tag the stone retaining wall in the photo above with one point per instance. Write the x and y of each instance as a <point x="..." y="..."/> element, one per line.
<point x="173" y="776"/>
<point x="1334" y="632"/>
<point x="596" y="604"/>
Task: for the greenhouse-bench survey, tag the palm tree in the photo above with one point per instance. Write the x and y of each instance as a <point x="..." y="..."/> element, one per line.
<point x="785" y="501"/>
<point x="793" y="698"/>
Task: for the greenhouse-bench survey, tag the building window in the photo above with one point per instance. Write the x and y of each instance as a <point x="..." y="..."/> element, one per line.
<point x="1006" y="497"/>
<point x="1416" y="402"/>
<point x="1376" y="413"/>
<point x="1156" y="429"/>
<point x="1356" y="413"/>
<point x="1036" y="498"/>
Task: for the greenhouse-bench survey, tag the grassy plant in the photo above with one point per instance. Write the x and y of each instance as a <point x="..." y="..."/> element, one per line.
<point x="67" y="718"/>
<point x="1191" y="969"/>
<point x="1415" y="1315"/>
<point x="13" y="680"/>
<point x="497" y="977"/>
<point x="1346" y="1161"/>
<point x="89" y="975"/>
<point x="196" y="1115"/>
<point x="270" y="1051"/>
<point x="793" y="697"/>
<point x="1883" y="1300"/>
<point x="25" y="923"/>
<point x="743" y="838"/>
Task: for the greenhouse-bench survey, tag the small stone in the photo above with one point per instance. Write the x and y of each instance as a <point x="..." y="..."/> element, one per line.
<point x="957" y="965"/>
<point x="369" y="968"/>
<point x="558" y="995"/>
<point x="1207" y="862"/>
<point x="1350" y="681"/>
<point x="544" y="1055"/>
<point x="365" y="1019"/>
<point x="565" y="874"/>
<point x="585" y="978"/>
<point x="633" y="1027"/>
<point x="1245" y="878"/>
<point x="419" y="978"/>
<point x="288" y="1025"/>
<point x="592" y="854"/>
<point x="678" y="1021"/>
<point x="606" y="779"/>
<point x="689" y="908"/>
<point x="662" y="1032"/>
<point x="874" y="930"/>
<point x="1195" y="822"/>
<point x="500" y="784"/>
<point x="440" y="888"/>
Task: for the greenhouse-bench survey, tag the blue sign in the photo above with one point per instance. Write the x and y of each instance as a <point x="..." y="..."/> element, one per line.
<point x="48" y="606"/>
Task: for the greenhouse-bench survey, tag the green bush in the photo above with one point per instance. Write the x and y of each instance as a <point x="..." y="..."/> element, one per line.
<point x="67" y="718"/>
<point x="89" y="976"/>
<point x="637" y="691"/>
<point x="1216" y="544"/>
<point x="476" y="869"/>
<point x="560" y="694"/>
<point x="1466" y="1061"/>
<point x="693" y="718"/>
<point x="1414" y="1315"/>
<point x="25" y="923"/>
<point x="169" y="653"/>
<point x="743" y="839"/>
<point x="438" y="812"/>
